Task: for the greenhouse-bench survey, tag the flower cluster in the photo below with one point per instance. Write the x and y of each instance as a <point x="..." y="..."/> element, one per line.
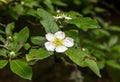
<point x="58" y="42"/>
<point x="62" y="16"/>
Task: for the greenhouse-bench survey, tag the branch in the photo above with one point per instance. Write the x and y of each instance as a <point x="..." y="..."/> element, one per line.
<point x="3" y="46"/>
<point x="3" y="25"/>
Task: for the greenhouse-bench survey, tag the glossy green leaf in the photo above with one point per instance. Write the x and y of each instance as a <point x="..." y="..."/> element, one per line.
<point x="3" y="63"/>
<point x="21" y="68"/>
<point x="20" y="39"/>
<point x="84" y="23"/>
<point x="47" y="21"/>
<point x="38" y="40"/>
<point x="38" y="54"/>
<point x="82" y="59"/>
<point x="77" y="56"/>
<point x="93" y="66"/>
<point x="9" y="28"/>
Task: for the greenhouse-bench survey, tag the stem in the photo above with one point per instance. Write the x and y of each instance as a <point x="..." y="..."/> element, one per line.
<point x="3" y="25"/>
<point x="55" y="58"/>
<point x="3" y="46"/>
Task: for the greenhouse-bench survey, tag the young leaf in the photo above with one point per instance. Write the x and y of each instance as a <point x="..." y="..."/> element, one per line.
<point x="93" y="66"/>
<point x="20" y="39"/>
<point x="3" y="63"/>
<point x="9" y="28"/>
<point x="38" y="54"/>
<point x="47" y="21"/>
<point x="38" y="40"/>
<point x="84" y="23"/>
<point x="21" y="68"/>
<point x="27" y="46"/>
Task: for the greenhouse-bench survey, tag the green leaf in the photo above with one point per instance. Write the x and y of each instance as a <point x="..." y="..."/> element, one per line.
<point x="4" y="1"/>
<point x="113" y="64"/>
<point x="20" y="39"/>
<point x="77" y="56"/>
<point x="38" y="54"/>
<point x="116" y="48"/>
<point x="47" y="21"/>
<point x="2" y="32"/>
<point x="2" y="39"/>
<point x="16" y="11"/>
<point x="21" y="68"/>
<point x="3" y="52"/>
<point x="27" y="46"/>
<point x="84" y="23"/>
<point x="93" y="66"/>
<point x="38" y="40"/>
<point x="114" y="28"/>
<point x="59" y="3"/>
<point x="82" y="59"/>
<point x="9" y="28"/>
<point x="3" y="63"/>
<point x="113" y="40"/>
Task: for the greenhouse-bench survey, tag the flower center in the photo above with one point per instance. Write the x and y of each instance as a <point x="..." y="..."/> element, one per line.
<point x="58" y="42"/>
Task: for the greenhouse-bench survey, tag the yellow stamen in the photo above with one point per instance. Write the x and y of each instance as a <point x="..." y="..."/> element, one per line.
<point x="58" y="42"/>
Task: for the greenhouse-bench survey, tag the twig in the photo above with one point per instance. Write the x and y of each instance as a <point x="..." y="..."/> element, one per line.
<point x="3" y="46"/>
<point x="3" y="25"/>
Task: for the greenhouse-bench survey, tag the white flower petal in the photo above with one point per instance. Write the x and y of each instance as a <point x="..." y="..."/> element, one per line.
<point x="49" y="37"/>
<point x="68" y="42"/>
<point x="61" y="49"/>
<point x="60" y="35"/>
<point x="68" y="18"/>
<point x="49" y="46"/>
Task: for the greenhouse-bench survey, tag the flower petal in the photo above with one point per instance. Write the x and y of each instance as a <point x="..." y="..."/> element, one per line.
<point x="68" y="42"/>
<point x="68" y="18"/>
<point x="60" y="35"/>
<point x="49" y="37"/>
<point x="61" y="49"/>
<point x="49" y="46"/>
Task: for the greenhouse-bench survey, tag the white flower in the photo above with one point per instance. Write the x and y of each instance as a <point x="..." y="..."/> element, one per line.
<point x="58" y="42"/>
<point x="62" y="16"/>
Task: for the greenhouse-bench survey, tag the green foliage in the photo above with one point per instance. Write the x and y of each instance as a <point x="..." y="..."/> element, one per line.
<point x="3" y="63"/>
<point x="21" y="68"/>
<point x="38" y="54"/>
<point x="47" y="21"/>
<point x="83" y="59"/>
<point x="84" y="23"/>
<point x="3" y="52"/>
<point x="20" y="39"/>
<point x="9" y="29"/>
<point x="96" y="42"/>
<point x="38" y="40"/>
